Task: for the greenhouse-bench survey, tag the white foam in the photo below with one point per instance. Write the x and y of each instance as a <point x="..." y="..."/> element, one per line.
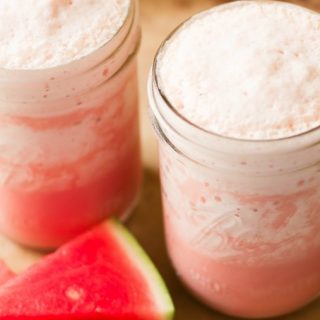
<point x="247" y="70"/>
<point x="41" y="34"/>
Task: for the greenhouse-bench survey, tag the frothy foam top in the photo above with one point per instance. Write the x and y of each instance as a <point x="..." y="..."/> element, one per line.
<point x="41" y="34"/>
<point x="246" y="70"/>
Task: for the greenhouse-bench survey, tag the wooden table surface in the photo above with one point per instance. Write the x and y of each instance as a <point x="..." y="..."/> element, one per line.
<point x="158" y="18"/>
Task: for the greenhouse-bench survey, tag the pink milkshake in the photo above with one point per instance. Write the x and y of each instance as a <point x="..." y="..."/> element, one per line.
<point x="234" y="94"/>
<point x="69" y="119"/>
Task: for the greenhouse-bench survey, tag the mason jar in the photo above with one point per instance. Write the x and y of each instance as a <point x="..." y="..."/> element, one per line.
<point x="242" y="217"/>
<point x="69" y="142"/>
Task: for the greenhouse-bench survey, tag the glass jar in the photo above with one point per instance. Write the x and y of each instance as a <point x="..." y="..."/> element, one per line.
<point x="69" y="142"/>
<point x="242" y="218"/>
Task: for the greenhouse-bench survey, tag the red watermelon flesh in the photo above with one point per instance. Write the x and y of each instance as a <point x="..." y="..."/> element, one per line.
<point x="5" y="273"/>
<point x="102" y="274"/>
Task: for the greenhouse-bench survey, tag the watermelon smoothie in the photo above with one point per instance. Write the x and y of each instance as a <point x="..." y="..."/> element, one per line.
<point x="69" y="117"/>
<point x="234" y="100"/>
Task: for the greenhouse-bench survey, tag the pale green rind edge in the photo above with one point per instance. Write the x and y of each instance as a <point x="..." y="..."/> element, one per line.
<point x="159" y="288"/>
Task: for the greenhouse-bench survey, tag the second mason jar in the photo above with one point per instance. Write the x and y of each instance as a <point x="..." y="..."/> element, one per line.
<point x="242" y="216"/>
<point x="69" y="135"/>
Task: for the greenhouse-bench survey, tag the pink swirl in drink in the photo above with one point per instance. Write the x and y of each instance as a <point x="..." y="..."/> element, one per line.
<point x="235" y="98"/>
<point x="69" y="121"/>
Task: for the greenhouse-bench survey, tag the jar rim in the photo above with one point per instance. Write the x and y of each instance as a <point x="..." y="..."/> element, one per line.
<point x="129" y="19"/>
<point x="187" y="122"/>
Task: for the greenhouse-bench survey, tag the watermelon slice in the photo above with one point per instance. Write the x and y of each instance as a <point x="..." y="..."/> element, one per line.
<point x="5" y="273"/>
<point x="102" y="274"/>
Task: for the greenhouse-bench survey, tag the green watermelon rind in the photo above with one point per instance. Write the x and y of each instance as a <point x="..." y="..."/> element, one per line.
<point x="140" y="258"/>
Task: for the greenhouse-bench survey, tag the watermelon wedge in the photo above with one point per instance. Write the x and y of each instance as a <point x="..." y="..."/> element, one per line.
<point x="102" y="274"/>
<point x="5" y="273"/>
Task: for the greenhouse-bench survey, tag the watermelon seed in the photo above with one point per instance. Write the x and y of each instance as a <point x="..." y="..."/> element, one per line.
<point x="74" y="294"/>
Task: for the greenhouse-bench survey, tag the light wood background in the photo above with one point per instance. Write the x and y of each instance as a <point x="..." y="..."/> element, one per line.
<point x="158" y="18"/>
